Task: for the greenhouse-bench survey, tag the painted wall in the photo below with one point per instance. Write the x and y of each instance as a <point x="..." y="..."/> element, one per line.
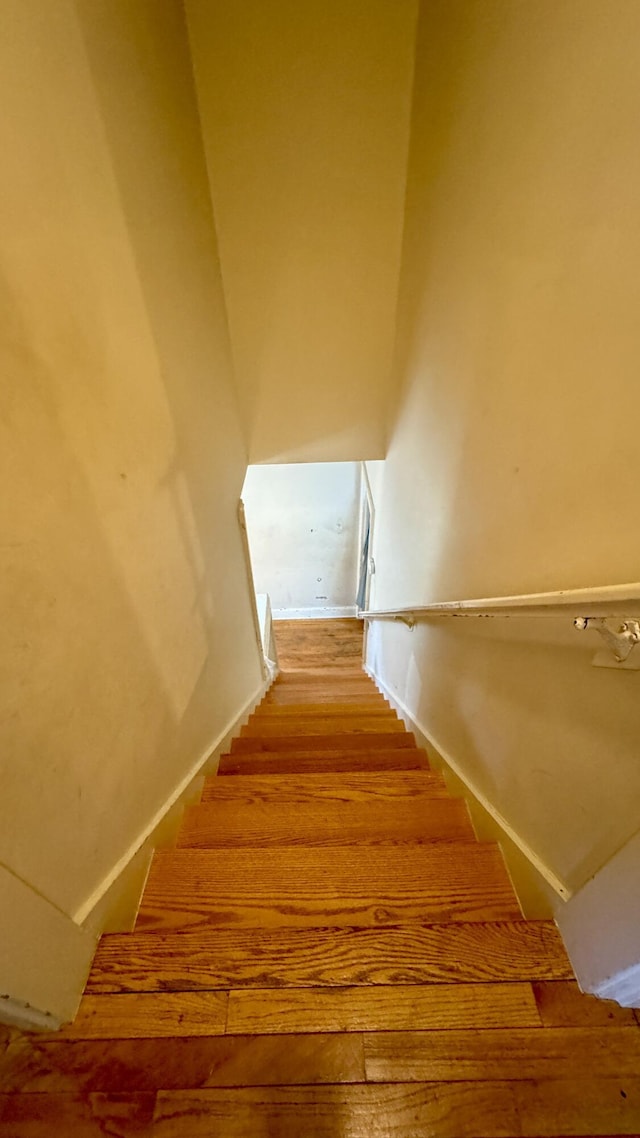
<point x="127" y="636"/>
<point x="601" y="929"/>
<point x="513" y="460"/>
<point x="302" y="521"/>
<point x="305" y="115"/>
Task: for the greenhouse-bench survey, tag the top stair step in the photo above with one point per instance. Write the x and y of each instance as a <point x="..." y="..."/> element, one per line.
<point x="325" y="678"/>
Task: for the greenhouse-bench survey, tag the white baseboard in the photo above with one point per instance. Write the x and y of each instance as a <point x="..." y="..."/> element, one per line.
<point x="558" y="886"/>
<point x="208" y="758"/>
<point x="44" y="958"/>
<point x="624" y="988"/>
<point x="330" y="613"/>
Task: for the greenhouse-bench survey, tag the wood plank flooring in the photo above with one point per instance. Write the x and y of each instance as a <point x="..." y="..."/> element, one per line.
<point x="328" y="953"/>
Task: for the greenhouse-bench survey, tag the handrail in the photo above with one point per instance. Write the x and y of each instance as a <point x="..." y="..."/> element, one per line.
<point x="602" y="597"/>
<point x="592" y="606"/>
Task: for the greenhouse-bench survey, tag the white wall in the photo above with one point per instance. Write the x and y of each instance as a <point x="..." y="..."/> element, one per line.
<point x="601" y="929"/>
<point x="305" y="115"/>
<point x="302" y="521"/>
<point x="513" y="460"/>
<point x="127" y="642"/>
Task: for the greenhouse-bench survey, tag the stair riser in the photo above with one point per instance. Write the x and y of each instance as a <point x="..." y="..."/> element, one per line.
<point x="332" y="762"/>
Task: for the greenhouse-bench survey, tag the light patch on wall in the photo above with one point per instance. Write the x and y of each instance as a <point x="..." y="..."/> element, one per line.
<point x="302" y="522"/>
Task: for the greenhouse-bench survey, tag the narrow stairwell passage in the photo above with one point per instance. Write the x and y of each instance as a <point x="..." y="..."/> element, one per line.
<point x="328" y="952"/>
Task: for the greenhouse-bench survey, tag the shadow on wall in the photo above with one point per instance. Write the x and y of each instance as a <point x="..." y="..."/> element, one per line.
<point x="75" y="641"/>
<point x="126" y="570"/>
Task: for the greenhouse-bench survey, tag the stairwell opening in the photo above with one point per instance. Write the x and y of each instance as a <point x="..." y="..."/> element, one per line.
<point x="309" y="530"/>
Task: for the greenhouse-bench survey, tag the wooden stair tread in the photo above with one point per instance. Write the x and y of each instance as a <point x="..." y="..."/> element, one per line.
<point x="411" y="953"/>
<point x="147" y="1015"/>
<point x="229" y="823"/>
<point x="322" y="710"/>
<point x="355" y="679"/>
<point x="333" y="960"/>
<point x="290" y="697"/>
<point x="357" y="786"/>
<point x="300" y="725"/>
<point x="384" y="740"/>
<point x="330" y="762"/>
<point x="334" y="885"/>
<point x="281" y="1011"/>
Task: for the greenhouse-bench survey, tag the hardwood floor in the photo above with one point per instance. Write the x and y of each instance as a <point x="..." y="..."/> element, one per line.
<point x="328" y="952"/>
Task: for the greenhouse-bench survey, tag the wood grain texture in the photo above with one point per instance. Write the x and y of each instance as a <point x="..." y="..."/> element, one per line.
<point x="493" y="1109"/>
<point x="271" y="972"/>
<point x="311" y="675"/>
<point x="329" y="761"/>
<point x="322" y="687"/>
<point x="76" y="1116"/>
<point x="328" y="644"/>
<point x="405" y="954"/>
<point x="289" y="695"/>
<point x="323" y="823"/>
<point x="35" y="1066"/>
<point x="351" y="787"/>
<point x="516" y="1053"/>
<point x="145" y="1015"/>
<point x="295" y="886"/>
<point x="397" y="1008"/>
<point x="404" y="1111"/>
<point x="369" y="706"/>
<point x="564" y="1005"/>
<point x="363" y="741"/>
<point x="265" y="726"/>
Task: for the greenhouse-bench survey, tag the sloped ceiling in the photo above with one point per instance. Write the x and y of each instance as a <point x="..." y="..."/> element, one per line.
<point x="305" y="111"/>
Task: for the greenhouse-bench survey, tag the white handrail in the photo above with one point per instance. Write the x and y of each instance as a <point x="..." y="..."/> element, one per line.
<point x="596" y="601"/>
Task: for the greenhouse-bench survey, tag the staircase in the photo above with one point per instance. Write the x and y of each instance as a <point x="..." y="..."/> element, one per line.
<point x="328" y="951"/>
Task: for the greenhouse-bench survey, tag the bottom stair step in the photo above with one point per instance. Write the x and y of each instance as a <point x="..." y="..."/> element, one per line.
<point x="405" y="954"/>
<point x="283" y="1011"/>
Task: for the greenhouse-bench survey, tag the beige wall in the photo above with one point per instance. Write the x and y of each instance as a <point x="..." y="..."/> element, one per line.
<point x="305" y="113"/>
<point x="513" y="462"/>
<point x="303" y="524"/>
<point x="127" y="637"/>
